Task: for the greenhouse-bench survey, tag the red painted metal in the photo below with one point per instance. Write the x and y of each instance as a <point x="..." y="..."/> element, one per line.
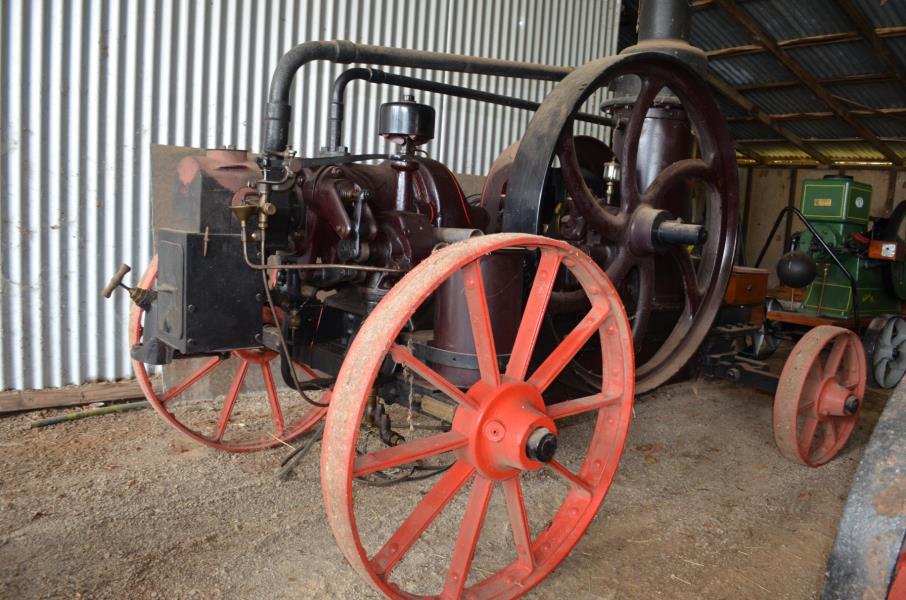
<point x="898" y="587"/>
<point x="825" y="369"/>
<point x="261" y="358"/>
<point x="491" y="425"/>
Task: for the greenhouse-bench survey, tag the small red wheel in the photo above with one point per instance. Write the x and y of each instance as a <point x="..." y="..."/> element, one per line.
<point x="255" y="434"/>
<point x="503" y="435"/>
<point x="819" y="395"/>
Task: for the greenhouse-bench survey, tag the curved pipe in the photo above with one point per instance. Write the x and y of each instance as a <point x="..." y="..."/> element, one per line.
<point x="277" y="116"/>
<point x="335" y="124"/>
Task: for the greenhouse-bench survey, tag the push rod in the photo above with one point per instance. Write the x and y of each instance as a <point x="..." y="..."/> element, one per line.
<point x="335" y="123"/>
<point x="277" y="116"/>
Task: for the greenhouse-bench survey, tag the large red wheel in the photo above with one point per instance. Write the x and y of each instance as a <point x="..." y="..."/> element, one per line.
<point x="264" y="425"/>
<point x="503" y="435"/>
<point x="819" y="395"/>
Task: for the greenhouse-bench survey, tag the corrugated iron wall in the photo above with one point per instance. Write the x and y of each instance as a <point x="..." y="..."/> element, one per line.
<point x="87" y="87"/>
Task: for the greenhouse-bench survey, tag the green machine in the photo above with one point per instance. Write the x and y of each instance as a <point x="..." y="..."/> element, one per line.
<point x="852" y="269"/>
<point x="839" y="209"/>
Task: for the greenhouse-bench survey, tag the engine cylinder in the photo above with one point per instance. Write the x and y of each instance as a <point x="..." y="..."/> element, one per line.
<point x="502" y="276"/>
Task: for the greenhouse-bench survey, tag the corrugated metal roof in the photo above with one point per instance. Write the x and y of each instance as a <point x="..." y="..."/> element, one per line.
<point x="779" y="151"/>
<point x="876" y="94"/>
<point x="838" y="60"/>
<point x="753" y="130"/>
<point x="785" y="19"/>
<point x="883" y="13"/>
<point x="846" y="151"/>
<point x="789" y="100"/>
<point x="713" y="29"/>
<point x="820" y="128"/>
<point x="886" y="127"/>
<point x="749" y="69"/>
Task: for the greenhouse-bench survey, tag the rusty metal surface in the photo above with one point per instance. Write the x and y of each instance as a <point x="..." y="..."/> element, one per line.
<point x="871" y="532"/>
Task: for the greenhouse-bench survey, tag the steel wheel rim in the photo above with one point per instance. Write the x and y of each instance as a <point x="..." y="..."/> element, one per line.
<point x="810" y="426"/>
<point x="261" y="357"/>
<point x="376" y="340"/>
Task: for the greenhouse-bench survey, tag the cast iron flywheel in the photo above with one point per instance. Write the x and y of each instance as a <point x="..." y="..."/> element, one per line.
<point x="639" y="240"/>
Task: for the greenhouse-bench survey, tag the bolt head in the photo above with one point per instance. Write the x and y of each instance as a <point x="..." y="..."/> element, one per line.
<point x="851" y="405"/>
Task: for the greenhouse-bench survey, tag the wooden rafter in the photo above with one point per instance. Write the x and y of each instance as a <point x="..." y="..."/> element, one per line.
<point x="788" y="83"/>
<point x="731" y="94"/>
<point x="869" y="33"/>
<point x="735" y="11"/>
<point x="880" y="112"/>
<point x="814" y="40"/>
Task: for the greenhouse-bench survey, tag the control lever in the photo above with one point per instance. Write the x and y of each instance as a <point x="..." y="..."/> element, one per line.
<point x="139" y="296"/>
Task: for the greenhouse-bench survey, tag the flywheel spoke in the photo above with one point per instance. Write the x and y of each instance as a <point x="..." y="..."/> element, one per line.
<point x="642" y="314"/>
<point x="464" y="550"/>
<point x="272" y="398"/>
<point x="402" y="356"/>
<point x="569" y="347"/>
<point x="192" y="379"/>
<point x="691" y="289"/>
<point x="533" y="315"/>
<point x="568" y="408"/>
<point x="421" y="518"/>
<point x="408" y="452"/>
<point x="230" y="400"/>
<point x="519" y="525"/>
<point x="674" y="174"/>
<point x="480" y="319"/>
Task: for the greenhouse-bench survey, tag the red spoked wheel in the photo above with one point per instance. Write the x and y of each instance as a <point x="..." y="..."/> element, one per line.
<point x="262" y="424"/>
<point x="503" y="437"/>
<point x="819" y="395"/>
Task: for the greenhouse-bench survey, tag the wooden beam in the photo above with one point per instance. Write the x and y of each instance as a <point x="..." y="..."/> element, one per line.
<point x="881" y="50"/>
<point x="774" y="85"/>
<point x="813" y="40"/>
<point x="745" y="20"/>
<point x="880" y="112"/>
<point x="15" y="401"/>
<point x="731" y="94"/>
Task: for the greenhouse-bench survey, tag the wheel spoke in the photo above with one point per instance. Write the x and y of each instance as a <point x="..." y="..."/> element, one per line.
<point x="272" y="399"/>
<point x="807" y="435"/>
<point x="674" y="174"/>
<point x="571" y="478"/>
<point x="464" y="551"/>
<point x="191" y="379"/>
<point x="421" y="518"/>
<point x="832" y="365"/>
<point x="691" y="289"/>
<point x="569" y="347"/>
<point x="830" y="433"/>
<point x="522" y="537"/>
<point x="408" y="452"/>
<point x="568" y="408"/>
<point x="480" y="318"/>
<point x="402" y="356"/>
<point x="533" y="315"/>
<point x="230" y="401"/>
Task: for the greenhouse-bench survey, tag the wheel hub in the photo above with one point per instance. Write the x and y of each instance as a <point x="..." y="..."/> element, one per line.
<point x="509" y="432"/>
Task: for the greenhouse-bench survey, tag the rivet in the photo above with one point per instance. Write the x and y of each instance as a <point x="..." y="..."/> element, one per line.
<point x="615" y="371"/>
<point x="598" y="465"/>
<point x="611" y="330"/>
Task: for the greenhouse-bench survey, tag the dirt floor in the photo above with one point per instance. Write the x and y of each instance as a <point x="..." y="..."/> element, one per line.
<point x="124" y="506"/>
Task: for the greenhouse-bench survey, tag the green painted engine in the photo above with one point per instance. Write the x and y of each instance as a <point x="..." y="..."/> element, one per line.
<point x="838" y="209"/>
